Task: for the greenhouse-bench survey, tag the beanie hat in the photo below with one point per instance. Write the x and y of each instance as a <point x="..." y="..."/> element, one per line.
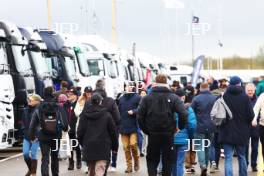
<point x="234" y="80"/>
<point x="180" y="92"/>
<point x="88" y="89"/>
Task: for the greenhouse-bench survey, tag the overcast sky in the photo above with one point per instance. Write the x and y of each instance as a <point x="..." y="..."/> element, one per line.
<point x="157" y="29"/>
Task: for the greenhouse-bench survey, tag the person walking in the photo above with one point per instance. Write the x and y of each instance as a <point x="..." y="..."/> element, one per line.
<point x="156" y="119"/>
<point x="72" y="120"/>
<point x="142" y="137"/>
<point x="28" y="145"/>
<point x="111" y="106"/>
<point x="202" y="105"/>
<point x="97" y="136"/>
<point x="182" y="137"/>
<point x="51" y="121"/>
<point x="234" y="132"/>
<point x="254" y="131"/>
<point x="128" y="105"/>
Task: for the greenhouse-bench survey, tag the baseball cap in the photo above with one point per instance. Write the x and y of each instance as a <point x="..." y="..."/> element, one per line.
<point x="88" y="89"/>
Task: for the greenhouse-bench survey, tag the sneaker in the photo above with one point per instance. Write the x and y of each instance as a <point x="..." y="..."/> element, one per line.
<point x="222" y="153"/>
<point x="213" y="167"/>
<point x="112" y="169"/>
<point x="190" y="170"/>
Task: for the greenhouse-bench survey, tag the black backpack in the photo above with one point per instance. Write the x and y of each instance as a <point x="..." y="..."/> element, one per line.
<point x="49" y="118"/>
<point x="160" y="117"/>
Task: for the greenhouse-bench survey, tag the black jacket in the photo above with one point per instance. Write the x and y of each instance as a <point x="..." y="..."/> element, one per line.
<point x="71" y="117"/>
<point x="108" y="103"/>
<point x="176" y="105"/>
<point x="96" y="134"/>
<point x="35" y="123"/>
<point x="237" y="130"/>
<point x="26" y="122"/>
<point x="128" y="123"/>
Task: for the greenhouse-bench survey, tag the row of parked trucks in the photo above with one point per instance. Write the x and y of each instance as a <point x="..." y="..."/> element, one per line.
<point x="32" y="59"/>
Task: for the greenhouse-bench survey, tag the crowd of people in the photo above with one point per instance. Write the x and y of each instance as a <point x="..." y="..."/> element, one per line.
<point x="170" y="124"/>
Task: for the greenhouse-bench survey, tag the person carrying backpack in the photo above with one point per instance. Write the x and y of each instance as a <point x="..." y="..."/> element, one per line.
<point x="182" y="136"/>
<point x="49" y="117"/>
<point x="156" y="119"/>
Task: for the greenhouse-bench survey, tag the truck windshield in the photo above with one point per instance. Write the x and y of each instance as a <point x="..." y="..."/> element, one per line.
<point x="3" y="58"/>
<point x="40" y="63"/>
<point x="112" y="68"/>
<point x="70" y="66"/>
<point x="96" y="66"/>
<point x="21" y="60"/>
<point x="83" y="65"/>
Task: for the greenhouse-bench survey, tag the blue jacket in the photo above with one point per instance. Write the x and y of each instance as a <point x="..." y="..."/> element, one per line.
<point x="202" y="105"/>
<point x="128" y="123"/>
<point x="187" y="133"/>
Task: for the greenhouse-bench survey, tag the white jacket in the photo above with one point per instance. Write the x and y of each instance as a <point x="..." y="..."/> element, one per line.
<point x="259" y="109"/>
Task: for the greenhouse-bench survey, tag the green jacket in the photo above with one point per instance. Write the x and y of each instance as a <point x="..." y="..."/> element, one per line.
<point x="260" y="88"/>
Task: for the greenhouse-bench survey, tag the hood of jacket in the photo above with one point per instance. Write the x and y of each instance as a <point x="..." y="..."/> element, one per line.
<point x="235" y="90"/>
<point x="94" y="112"/>
<point x="161" y="89"/>
<point x="101" y="92"/>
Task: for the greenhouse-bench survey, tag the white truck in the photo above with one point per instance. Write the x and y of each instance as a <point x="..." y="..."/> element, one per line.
<point x="7" y="95"/>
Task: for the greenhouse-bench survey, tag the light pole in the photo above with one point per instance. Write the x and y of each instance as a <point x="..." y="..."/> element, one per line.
<point x="49" y="14"/>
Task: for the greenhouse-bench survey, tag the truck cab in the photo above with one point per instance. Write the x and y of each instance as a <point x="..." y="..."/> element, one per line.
<point x="36" y="51"/>
<point x="7" y="96"/>
<point x="21" y="71"/>
<point x="80" y="54"/>
<point x="60" y="59"/>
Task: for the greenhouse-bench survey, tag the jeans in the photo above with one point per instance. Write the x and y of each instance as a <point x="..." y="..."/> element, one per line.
<point x="241" y="150"/>
<point x="157" y="144"/>
<point x="33" y="147"/>
<point x="217" y="147"/>
<point x="130" y="148"/>
<point x="178" y="166"/>
<point x="49" y="148"/>
<point x="254" y="151"/>
<point x="202" y="151"/>
<point x="140" y="140"/>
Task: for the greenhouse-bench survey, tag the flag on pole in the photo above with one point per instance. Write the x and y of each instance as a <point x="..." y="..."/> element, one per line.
<point x="195" y="19"/>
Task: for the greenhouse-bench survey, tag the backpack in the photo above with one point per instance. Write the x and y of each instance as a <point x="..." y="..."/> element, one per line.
<point x="220" y="111"/>
<point x="160" y="117"/>
<point x="50" y="122"/>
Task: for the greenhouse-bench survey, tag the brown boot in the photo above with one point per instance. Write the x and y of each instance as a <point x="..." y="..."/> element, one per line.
<point x="34" y="164"/>
<point x="136" y="166"/>
<point x="28" y="162"/>
<point x="134" y="149"/>
<point x="129" y="169"/>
